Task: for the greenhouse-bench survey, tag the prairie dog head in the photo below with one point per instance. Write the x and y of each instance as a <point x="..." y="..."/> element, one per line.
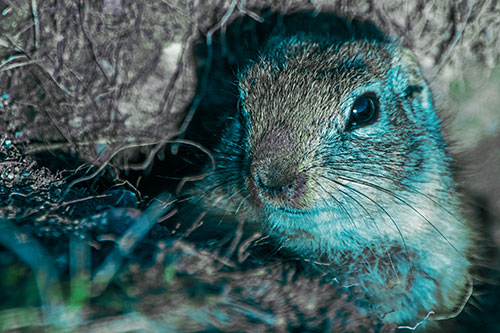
<point x="343" y="132"/>
<point x="337" y="153"/>
<point x="342" y="153"/>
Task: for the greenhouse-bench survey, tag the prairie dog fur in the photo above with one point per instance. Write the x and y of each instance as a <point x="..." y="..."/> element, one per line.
<point x="337" y="153"/>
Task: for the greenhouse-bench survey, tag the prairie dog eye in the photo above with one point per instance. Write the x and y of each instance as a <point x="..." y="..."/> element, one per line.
<point x="364" y="111"/>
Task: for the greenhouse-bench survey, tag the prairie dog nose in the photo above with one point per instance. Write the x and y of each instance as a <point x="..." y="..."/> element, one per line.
<point x="274" y="180"/>
<point x="279" y="183"/>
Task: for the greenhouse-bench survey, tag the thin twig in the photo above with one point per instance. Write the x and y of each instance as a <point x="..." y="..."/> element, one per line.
<point x="236" y="240"/>
<point x="242" y="254"/>
<point x="144" y="165"/>
<point x="66" y="203"/>
<point x="19" y="64"/>
<point x="243" y="10"/>
<point x="196" y="224"/>
<point x="11" y="58"/>
<point x="222" y="22"/>
<point x="57" y="83"/>
<point x="198" y="177"/>
<point x="103" y="165"/>
<point x="35" y="20"/>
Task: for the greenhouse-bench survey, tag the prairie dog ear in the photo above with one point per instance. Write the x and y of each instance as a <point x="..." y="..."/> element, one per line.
<point x="407" y="65"/>
<point x="413" y="87"/>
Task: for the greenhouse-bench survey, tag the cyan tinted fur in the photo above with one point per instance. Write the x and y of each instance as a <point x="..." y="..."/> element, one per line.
<point x="377" y="204"/>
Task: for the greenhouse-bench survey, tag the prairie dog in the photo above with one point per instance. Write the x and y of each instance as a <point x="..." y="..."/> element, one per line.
<point x="337" y="153"/>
